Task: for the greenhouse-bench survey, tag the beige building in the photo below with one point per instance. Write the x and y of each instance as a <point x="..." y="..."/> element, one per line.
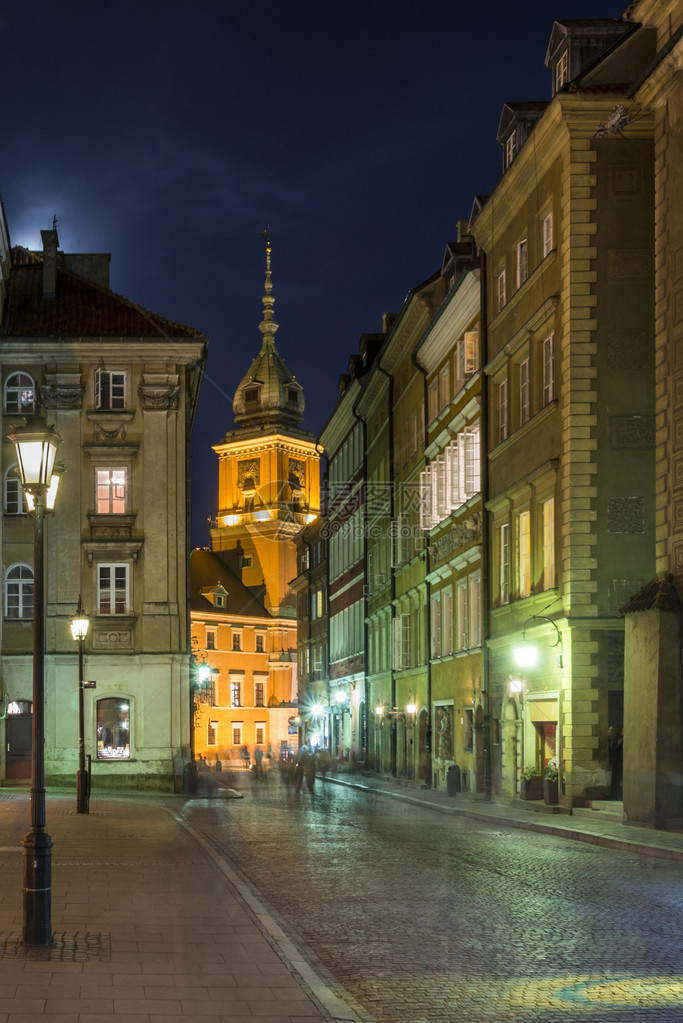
<point x="268" y="488"/>
<point x="120" y="385"/>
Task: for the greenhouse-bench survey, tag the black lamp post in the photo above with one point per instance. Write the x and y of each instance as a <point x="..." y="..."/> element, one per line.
<point x="79" y="630"/>
<point x="36" y="445"/>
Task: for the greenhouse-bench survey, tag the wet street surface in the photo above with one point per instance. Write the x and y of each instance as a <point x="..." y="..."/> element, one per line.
<point x="421" y="916"/>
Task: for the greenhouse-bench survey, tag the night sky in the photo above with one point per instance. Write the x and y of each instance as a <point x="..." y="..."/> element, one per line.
<point x="170" y="134"/>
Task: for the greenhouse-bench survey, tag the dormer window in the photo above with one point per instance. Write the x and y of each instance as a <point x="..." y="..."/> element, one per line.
<point x="562" y="70"/>
<point x="510" y="148"/>
<point x="292" y="395"/>
<point x="251" y="396"/>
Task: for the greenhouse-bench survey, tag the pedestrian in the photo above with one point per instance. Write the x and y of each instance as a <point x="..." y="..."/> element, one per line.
<point x="246" y="757"/>
<point x="258" y="761"/>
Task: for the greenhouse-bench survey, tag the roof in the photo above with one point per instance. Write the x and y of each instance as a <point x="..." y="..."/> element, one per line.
<point x="209" y="569"/>
<point x="658" y="594"/>
<point x="81" y="308"/>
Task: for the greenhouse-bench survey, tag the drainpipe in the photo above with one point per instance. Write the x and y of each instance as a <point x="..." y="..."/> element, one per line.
<point x="392" y="512"/>
<point x="428" y="609"/>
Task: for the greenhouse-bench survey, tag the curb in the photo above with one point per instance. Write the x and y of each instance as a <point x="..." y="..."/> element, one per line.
<point x="589" y="837"/>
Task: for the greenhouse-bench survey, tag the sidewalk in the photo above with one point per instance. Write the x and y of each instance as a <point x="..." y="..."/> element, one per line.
<point x="596" y="826"/>
<point x="149" y="926"/>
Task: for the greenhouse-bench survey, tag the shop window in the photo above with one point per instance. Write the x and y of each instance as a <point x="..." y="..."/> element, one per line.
<point x="19" y="592"/>
<point x="20" y="395"/>
<point x="113" y="729"/>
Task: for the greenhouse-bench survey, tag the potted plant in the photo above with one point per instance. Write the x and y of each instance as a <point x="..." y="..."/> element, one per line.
<point x="532" y="783"/>
<point x="550" y="783"/>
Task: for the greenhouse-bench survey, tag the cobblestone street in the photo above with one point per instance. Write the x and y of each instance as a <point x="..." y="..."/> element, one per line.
<point x="418" y="916"/>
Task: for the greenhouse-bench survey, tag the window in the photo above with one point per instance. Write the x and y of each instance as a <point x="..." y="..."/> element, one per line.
<point x="20" y="393"/>
<point x="19" y="592"/>
<point x="444" y="387"/>
<point x="524" y="403"/>
<point x="510" y="148"/>
<point x="502" y="410"/>
<point x="15" y="502"/>
<point x="446" y="622"/>
<point x="110" y="389"/>
<point x="112" y="589"/>
<point x="259" y="693"/>
<point x="260" y="643"/>
<point x="260" y="728"/>
<point x="436" y="625"/>
<point x="524" y="553"/>
<point x="549" y="544"/>
<point x="111" y="491"/>
<point x="212" y="733"/>
<point x="474" y="611"/>
<point x="500" y="290"/>
<point x="113" y="729"/>
<point x="562" y="71"/>
<point x="319" y="603"/>
<point x="547" y="227"/>
<point x="251" y="396"/>
<point x="461" y="612"/>
<point x="452" y="478"/>
<point x="235" y="692"/>
<point x="402" y="645"/>
<point x="504" y="563"/>
<point x="522" y="262"/>
<point x="236" y="639"/>
<point x="549" y="369"/>
<point x="210" y="639"/>
<point x="237" y="733"/>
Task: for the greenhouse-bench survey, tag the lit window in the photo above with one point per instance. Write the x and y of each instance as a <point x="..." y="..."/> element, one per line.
<point x="522" y="262"/>
<point x="549" y="369"/>
<point x="19" y="592"/>
<point x="111" y="491"/>
<point x="548" y="544"/>
<point x="524" y="553"/>
<point x="20" y="395"/>
<point x="235" y="693"/>
<point x="110" y="389"/>
<point x="15" y="502"/>
<point x="113" y="729"/>
<point x="112" y="589"/>
<point x="524" y="403"/>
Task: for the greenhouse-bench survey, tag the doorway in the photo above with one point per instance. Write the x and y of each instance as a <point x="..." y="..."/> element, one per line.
<point x="18" y="736"/>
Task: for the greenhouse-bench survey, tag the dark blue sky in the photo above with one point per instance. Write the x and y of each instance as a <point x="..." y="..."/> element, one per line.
<point x="170" y="134"/>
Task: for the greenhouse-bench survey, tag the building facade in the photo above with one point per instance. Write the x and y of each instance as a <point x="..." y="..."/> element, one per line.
<point x="120" y="385"/>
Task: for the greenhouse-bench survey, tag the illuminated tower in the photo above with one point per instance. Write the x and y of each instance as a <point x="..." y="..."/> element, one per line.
<point x="268" y="481"/>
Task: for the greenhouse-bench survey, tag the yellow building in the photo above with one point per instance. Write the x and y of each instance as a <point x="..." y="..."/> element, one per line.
<point x="268" y="488"/>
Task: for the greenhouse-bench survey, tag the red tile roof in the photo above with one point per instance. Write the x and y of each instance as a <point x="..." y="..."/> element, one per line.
<point x="658" y="593"/>
<point x="81" y="308"/>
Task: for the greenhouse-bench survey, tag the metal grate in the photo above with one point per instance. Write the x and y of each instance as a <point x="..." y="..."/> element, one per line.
<point x="66" y="947"/>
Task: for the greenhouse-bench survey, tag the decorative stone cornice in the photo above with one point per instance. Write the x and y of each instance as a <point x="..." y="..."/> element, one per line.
<point x="159" y="398"/>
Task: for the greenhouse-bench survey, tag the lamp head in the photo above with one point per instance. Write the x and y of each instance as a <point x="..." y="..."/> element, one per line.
<point x="36" y="445"/>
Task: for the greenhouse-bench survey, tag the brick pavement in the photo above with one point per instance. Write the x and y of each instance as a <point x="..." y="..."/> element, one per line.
<point x="149" y="927"/>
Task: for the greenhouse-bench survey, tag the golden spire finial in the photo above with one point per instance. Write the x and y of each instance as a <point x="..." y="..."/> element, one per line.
<point x="268" y="326"/>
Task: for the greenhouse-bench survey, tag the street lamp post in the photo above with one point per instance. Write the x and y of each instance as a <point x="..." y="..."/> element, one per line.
<point x="36" y="445"/>
<point x="79" y="630"/>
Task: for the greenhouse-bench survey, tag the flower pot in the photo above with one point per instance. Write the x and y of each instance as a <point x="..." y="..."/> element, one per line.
<point x="550" y="792"/>
<point x="532" y="788"/>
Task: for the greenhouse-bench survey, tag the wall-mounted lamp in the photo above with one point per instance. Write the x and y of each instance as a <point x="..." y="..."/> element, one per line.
<point x="526" y="653"/>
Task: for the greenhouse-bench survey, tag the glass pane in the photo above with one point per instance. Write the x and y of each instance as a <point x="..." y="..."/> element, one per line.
<point x="113" y="729"/>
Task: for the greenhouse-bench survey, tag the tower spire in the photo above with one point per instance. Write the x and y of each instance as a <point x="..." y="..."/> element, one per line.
<point x="268" y="326"/>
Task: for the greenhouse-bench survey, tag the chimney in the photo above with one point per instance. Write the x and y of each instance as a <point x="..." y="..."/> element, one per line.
<point x="50" y="246"/>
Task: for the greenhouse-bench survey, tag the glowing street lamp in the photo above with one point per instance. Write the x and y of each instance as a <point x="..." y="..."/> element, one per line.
<point x="36" y="446"/>
<point x="79" y="630"/>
